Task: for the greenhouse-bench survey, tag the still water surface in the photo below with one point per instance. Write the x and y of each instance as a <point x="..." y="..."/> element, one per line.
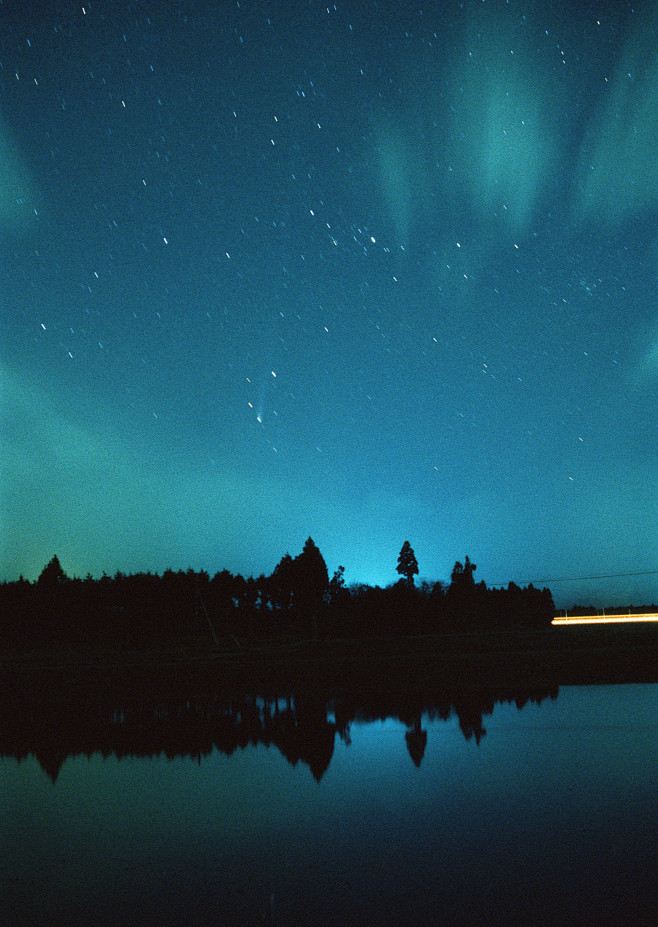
<point x="544" y="814"/>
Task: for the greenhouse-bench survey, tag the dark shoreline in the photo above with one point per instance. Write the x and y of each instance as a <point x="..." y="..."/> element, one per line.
<point x="395" y="664"/>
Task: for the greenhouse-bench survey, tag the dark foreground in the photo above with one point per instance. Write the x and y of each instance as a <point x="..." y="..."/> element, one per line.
<point x="408" y="781"/>
<point x="534" y="808"/>
<point x="395" y="664"/>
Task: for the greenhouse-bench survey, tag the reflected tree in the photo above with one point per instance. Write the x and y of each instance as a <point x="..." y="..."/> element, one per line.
<point x="108" y="719"/>
<point x="416" y="740"/>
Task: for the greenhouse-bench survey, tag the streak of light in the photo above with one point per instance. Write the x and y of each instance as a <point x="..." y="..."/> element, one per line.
<point x="605" y="619"/>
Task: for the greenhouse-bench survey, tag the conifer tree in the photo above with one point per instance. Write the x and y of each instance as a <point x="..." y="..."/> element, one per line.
<point x="407" y="563"/>
<point x="52" y="574"/>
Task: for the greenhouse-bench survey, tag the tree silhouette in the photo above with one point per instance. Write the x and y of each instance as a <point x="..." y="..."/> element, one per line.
<point x="407" y="563"/>
<point x="298" y="598"/>
<point x="51" y="618"/>
<point x="282" y="583"/>
<point x="464" y="599"/>
<point x="312" y="576"/>
<point x="298" y="586"/>
<point x="337" y="613"/>
<point x="311" y="581"/>
<point x="337" y="588"/>
<point x="52" y="576"/>
<point x="462" y="575"/>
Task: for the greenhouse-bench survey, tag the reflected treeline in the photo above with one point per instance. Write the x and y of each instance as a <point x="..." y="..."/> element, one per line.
<point x="302" y="727"/>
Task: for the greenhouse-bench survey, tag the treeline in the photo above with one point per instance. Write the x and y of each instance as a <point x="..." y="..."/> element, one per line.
<point x="298" y="598"/>
<point x="577" y="611"/>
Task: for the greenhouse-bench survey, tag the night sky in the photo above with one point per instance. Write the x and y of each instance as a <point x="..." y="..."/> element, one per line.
<point x="369" y="272"/>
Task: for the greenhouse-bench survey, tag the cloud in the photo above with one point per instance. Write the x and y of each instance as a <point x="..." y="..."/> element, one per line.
<point x="491" y="131"/>
<point x="503" y="149"/>
<point x="645" y="368"/>
<point x="103" y="501"/>
<point x="617" y="172"/>
<point x="395" y="176"/>
<point x="63" y="489"/>
<point x="481" y="141"/>
<point x="18" y="196"/>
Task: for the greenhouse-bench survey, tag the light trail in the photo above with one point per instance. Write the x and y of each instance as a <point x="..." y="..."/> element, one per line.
<point x="605" y="619"/>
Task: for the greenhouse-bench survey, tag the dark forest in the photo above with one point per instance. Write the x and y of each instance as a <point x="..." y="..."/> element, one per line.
<point x="297" y="599"/>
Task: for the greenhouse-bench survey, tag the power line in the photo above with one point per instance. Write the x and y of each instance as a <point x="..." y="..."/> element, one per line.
<point x="577" y="579"/>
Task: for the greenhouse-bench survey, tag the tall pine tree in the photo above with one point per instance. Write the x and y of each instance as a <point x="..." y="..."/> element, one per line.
<point x="407" y="563"/>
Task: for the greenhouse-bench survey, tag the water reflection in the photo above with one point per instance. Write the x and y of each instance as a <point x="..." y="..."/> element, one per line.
<point x="302" y="726"/>
<point x="421" y="817"/>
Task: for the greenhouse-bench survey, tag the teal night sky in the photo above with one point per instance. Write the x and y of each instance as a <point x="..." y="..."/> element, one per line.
<point x="362" y="271"/>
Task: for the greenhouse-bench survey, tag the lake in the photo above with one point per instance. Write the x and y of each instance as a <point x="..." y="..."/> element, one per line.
<point x="496" y="808"/>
